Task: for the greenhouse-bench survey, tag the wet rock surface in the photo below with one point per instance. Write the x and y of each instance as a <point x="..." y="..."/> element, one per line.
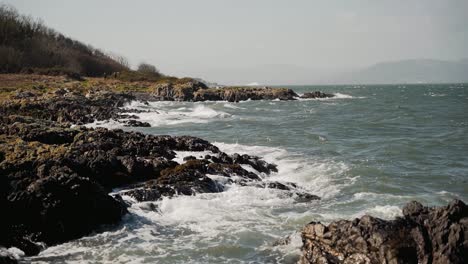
<point x="422" y="235"/>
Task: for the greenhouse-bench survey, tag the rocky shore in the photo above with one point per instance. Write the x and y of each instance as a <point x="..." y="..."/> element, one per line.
<point x="57" y="177"/>
<point x="60" y="181"/>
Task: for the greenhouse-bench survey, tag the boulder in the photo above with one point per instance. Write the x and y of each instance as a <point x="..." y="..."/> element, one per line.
<point x="423" y="235"/>
<point x="55" y="209"/>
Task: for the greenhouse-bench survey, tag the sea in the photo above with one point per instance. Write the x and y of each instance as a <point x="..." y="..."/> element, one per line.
<point x="368" y="150"/>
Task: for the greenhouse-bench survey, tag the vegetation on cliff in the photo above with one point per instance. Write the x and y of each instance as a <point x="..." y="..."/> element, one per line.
<point x="29" y="46"/>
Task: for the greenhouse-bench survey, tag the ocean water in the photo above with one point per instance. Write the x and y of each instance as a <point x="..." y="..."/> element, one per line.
<point x="369" y="150"/>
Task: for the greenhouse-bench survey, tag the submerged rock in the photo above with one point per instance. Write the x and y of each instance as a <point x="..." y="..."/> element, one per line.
<point x="423" y="235"/>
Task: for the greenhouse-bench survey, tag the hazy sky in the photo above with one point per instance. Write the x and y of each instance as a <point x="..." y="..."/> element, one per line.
<point x="232" y="40"/>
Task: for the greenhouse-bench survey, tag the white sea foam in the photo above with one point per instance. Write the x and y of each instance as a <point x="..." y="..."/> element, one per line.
<point x="232" y="106"/>
<point x="320" y="176"/>
<point x="342" y="96"/>
<point x="196" y="114"/>
<point x="336" y="96"/>
<point x="383" y="211"/>
<point x="241" y="220"/>
<point x="166" y="114"/>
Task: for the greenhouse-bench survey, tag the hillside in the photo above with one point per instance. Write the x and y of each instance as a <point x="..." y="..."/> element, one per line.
<point x="27" y="45"/>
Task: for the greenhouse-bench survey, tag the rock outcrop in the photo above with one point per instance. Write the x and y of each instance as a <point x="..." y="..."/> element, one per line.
<point x="316" y="95"/>
<point x="423" y="235"/>
<point x="236" y="94"/>
<point x="177" y="91"/>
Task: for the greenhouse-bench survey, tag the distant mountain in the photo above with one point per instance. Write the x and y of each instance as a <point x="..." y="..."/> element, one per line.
<point x="409" y="71"/>
<point x="403" y="71"/>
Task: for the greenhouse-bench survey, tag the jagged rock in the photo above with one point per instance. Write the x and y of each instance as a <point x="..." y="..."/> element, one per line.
<point x="316" y="94"/>
<point x="136" y="123"/>
<point x="423" y="235"/>
<point x="236" y="94"/>
<point x="256" y="163"/>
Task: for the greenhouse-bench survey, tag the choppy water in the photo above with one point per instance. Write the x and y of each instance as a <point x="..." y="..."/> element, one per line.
<point x="369" y="150"/>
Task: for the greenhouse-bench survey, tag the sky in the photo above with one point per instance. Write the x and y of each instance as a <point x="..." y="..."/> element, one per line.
<point x="258" y="40"/>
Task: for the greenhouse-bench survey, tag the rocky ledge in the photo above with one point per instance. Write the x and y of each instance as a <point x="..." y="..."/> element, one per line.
<point x="196" y="91"/>
<point x="55" y="180"/>
<point x="422" y="235"/>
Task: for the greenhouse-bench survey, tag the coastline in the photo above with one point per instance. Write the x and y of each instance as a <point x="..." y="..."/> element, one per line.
<point x="41" y="140"/>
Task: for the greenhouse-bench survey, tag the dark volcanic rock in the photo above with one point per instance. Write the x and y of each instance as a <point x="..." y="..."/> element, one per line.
<point x="191" y="178"/>
<point x="54" y="209"/>
<point x="256" y="163"/>
<point x="424" y="235"/>
<point x="316" y="94"/>
<point x="136" y="123"/>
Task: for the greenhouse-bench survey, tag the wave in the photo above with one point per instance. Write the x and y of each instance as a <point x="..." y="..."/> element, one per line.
<point x="336" y="96"/>
<point x="232" y="106"/>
